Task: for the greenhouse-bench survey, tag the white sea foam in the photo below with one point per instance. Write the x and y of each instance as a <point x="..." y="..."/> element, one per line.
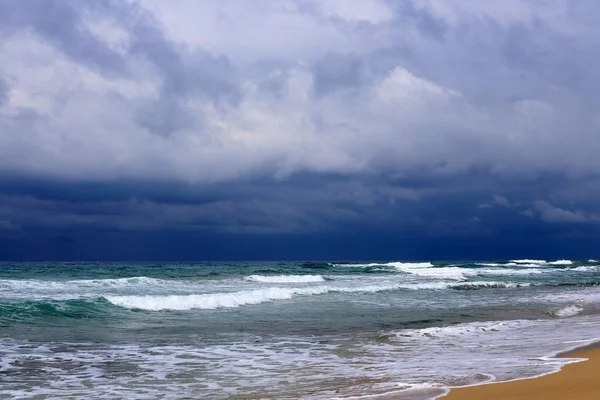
<point x="474" y="328"/>
<point x="487" y="284"/>
<point x="359" y="265"/>
<point x="395" y="264"/>
<point x="567" y="311"/>
<point x="401" y="265"/>
<point x="529" y="271"/>
<point x="403" y="388"/>
<point x="203" y="301"/>
<point x="457" y="273"/>
<point x="18" y="284"/>
<point x="528" y="261"/>
<point x="588" y="268"/>
<point x="425" y="360"/>
<point x="235" y="299"/>
<point x="285" y="278"/>
<point x="561" y="262"/>
<point x="521" y="265"/>
<point x="427" y="286"/>
<point x="592" y="260"/>
<point x="210" y="301"/>
<point x="454" y="273"/>
<point x="133" y="281"/>
<point x="428" y="270"/>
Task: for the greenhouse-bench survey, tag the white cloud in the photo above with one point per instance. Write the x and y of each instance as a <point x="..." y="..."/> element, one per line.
<point x="415" y="109"/>
<point x="373" y="11"/>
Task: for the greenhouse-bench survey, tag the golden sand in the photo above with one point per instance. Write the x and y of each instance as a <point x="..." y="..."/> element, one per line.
<point x="577" y="381"/>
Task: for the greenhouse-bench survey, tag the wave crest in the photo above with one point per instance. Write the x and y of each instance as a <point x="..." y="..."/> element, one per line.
<point x="528" y="261"/>
<point x="210" y="301"/>
<point x="567" y="311"/>
<point x="285" y="278"/>
<point x="487" y="284"/>
<point x="472" y="328"/>
<point x="561" y="262"/>
<point x="16" y="284"/>
<point x="394" y="264"/>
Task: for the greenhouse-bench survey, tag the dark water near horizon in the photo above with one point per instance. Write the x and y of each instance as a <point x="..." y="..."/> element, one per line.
<point x="277" y="330"/>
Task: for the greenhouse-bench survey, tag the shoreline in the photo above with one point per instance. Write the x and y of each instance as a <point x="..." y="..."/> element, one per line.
<point x="577" y="380"/>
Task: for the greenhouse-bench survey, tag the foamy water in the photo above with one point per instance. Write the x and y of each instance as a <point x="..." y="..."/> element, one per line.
<point x="286" y="278"/>
<point x="287" y="330"/>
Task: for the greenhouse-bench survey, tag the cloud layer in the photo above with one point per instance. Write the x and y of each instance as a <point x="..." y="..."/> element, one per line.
<point x="443" y="119"/>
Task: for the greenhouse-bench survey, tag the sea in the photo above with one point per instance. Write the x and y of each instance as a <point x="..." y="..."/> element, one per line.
<point x="287" y="330"/>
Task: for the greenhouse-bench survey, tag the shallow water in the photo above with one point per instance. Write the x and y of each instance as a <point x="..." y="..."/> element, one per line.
<point x="286" y="330"/>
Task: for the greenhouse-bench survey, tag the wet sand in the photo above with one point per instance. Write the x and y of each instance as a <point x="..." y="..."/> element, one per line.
<point x="577" y="381"/>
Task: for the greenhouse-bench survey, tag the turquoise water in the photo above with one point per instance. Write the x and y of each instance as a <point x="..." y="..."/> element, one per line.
<point x="286" y="330"/>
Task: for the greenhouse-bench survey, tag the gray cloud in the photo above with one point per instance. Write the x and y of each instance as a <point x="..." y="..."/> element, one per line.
<point x="3" y="90"/>
<point x="337" y="71"/>
<point x="61" y="24"/>
<point x="330" y="116"/>
<point x="551" y="213"/>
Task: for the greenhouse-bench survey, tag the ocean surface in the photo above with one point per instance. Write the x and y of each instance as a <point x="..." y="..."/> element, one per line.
<point x="289" y="330"/>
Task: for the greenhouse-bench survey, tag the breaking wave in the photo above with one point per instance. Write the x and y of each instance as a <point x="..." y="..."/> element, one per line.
<point x="585" y="268"/>
<point x="529" y="271"/>
<point x="557" y="262"/>
<point x="528" y="261"/>
<point x="523" y="265"/>
<point x="487" y="284"/>
<point x="285" y="278"/>
<point x="72" y="308"/>
<point x="396" y="264"/>
<point x="567" y="311"/>
<point x="14" y="284"/>
<point x="561" y="262"/>
<point x="473" y="328"/>
<point x="210" y="301"/>
<point x="455" y="273"/>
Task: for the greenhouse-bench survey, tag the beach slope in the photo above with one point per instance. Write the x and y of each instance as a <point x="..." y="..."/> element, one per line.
<point x="577" y="381"/>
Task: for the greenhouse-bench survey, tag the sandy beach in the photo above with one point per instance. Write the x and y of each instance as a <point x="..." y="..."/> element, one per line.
<point x="577" y="381"/>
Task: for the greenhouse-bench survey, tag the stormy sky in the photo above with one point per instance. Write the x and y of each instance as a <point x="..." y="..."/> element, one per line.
<point x="307" y="129"/>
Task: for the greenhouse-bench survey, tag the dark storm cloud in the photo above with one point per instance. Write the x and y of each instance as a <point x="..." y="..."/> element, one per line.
<point x="399" y="129"/>
<point x="556" y="214"/>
